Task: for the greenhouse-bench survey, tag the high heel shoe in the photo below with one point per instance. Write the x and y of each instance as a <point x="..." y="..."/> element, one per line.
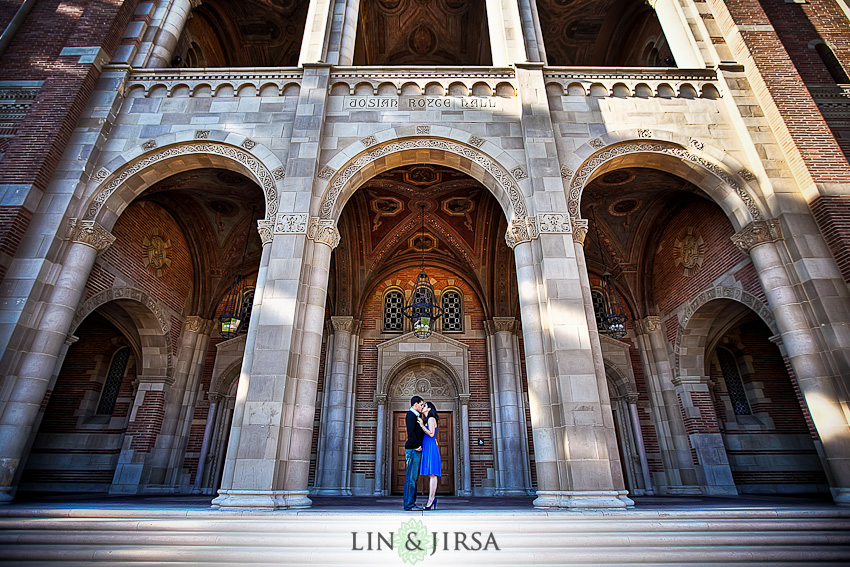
<point x="433" y="505"/>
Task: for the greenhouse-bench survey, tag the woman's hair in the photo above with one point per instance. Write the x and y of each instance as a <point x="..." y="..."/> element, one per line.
<point x="432" y="411"/>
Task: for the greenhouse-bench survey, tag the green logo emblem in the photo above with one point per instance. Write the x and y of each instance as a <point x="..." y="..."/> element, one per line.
<point x="412" y="541"/>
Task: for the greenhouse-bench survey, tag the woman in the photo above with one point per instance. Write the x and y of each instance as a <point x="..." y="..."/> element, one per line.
<point x="430" y="452"/>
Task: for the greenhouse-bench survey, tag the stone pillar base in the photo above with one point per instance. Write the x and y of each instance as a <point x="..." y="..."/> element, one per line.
<point x="268" y="499"/>
<point x="513" y="492"/>
<point x="841" y="496"/>
<point x="583" y="499"/>
<point x="330" y="492"/>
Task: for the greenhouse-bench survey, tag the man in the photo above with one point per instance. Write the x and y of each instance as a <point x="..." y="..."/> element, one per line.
<point x="412" y="452"/>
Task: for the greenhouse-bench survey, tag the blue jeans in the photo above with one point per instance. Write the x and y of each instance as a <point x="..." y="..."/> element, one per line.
<point x="413" y="459"/>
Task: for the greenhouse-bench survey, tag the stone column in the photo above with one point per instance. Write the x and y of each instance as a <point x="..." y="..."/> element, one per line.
<point x="672" y="435"/>
<point x="677" y="30"/>
<point x="169" y="33"/>
<point x="380" y="465"/>
<point x="313" y="44"/>
<point x="336" y="415"/>
<point x="465" y="443"/>
<point x="167" y="457"/>
<point x="506" y="33"/>
<point x="825" y="392"/>
<point x="632" y="398"/>
<point x="27" y="388"/>
<point x="205" y="444"/>
<point x="508" y="443"/>
<point x="343" y="32"/>
<point x="580" y="227"/>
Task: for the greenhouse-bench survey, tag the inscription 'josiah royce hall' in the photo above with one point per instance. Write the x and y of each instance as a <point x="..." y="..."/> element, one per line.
<point x="423" y="102"/>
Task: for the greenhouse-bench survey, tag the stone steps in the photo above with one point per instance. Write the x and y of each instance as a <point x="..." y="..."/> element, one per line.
<point x="623" y="538"/>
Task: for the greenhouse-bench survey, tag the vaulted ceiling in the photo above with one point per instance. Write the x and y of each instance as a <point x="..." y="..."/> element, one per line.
<point x="422" y="32"/>
<point x="382" y="227"/>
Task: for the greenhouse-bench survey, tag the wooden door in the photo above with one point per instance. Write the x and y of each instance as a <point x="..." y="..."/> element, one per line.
<point x="446" y="484"/>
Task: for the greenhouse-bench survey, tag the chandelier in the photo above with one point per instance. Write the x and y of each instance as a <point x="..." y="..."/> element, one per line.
<point x="421" y="308"/>
<point x="234" y="311"/>
<point x="612" y="317"/>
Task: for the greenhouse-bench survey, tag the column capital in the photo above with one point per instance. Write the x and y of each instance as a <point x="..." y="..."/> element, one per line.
<point x="503" y="324"/>
<point x="464" y="399"/>
<point x="90" y="233"/>
<point x="647" y="324"/>
<point x="324" y="231"/>
<point x="198" y="325"/>
<point x="71" y="339"/>
<point x="756" y="233"/>
<point x="381" y="399"/>
<point x="580" y="227"/>
<point x="266" y="230"/>
<point x="214" y="397"/>
<point x="521" y="230"/>
<point x="346" y="323"/>
<point x="631" y="397"/>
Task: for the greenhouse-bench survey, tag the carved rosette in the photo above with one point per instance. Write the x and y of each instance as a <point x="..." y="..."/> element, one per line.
<point x="554" y="223"/>
<point x="90" y="233"/>
<point x="291" y="223"/>
<point x="324" y="231"/>
<point x="266" y="230"/>
<point x="756" y="233"/>
<point x="523" y="229"/>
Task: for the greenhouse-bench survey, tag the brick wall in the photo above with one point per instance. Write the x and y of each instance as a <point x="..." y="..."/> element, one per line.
<point x="126" y="257"/>
<point x="833" y="217"/>
<point x="479" y="380"/>
<point x="670" y="287"/>
<point x="13" y="223"/>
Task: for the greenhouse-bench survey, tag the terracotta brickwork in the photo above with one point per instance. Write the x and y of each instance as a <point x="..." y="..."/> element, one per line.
<point x="832" y="214"/>
<point x="126" y="257"/>
<point x="671" y="288"/>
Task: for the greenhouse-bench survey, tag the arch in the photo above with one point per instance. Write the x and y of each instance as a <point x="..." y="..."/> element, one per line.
<point x="481" y="160"/>
<point x="713" y="176"/>
<point x="701" y="313"/>
<point x="417" y="360"/>
<point x="117" y="184"/>
<point x="223" y="382"/>
<point x="154" y="327"/>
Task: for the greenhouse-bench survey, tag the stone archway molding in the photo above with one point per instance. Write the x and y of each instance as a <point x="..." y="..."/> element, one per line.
<point x="415" y="359"/>
<point x="718" y="164"/>
<point x="713" y="294"/>
<point x="111" y="181"/>
<point x="510" y="185"/>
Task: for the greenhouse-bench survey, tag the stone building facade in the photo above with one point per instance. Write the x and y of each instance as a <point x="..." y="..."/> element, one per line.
<point x="689" y="157"/>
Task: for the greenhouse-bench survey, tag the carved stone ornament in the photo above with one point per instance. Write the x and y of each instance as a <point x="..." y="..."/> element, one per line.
<point x="149" y="145"/>
<point x="423" y="130"/>
<point x="194" y="324"/>
<point x="157" y="247"/>
<point x="566" y="172"/>
<point x="756" y="233"/>
<point x="554" y="223"/>
<point x="476" y="141"/>
<point x="631" y="397"/>
<point x="422" y="383"/>
<point x="90" y="233"/>
<point x="344" y="324"/>
<point x="324" y="231"/>
<point x="644" y="133"/>
<point x="249" y="144"/>
<point x="596" y="143"/>
<point x="652" y="323"/>
<point x="279" y="173"/>
<point x="504" y="324"/>
<point x="369" y="141"/>
<point x="261" y="174"/>
<point x="689" y="252"/>
<point x="697" y="144"/>
<point x="131" y="293"/>
<point x="291" y="223"/>
<point x="502" y="176"/>
<point x="202" y="134"/>
<point x="580" y="227"/>
<point x="101" y="174"/>
<point x="381" y="399"/>
<point x="602" y="157"/>
<point x="326" y="172"/>
<point x="523" y="229"/>
<point x="519" y="173"/>
<point x="266" y="230"/>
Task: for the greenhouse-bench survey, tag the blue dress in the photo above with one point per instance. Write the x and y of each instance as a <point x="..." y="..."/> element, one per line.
<point x="430" y="456"/>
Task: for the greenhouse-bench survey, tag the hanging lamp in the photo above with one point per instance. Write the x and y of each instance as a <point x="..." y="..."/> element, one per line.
<point x="233" y="312"/>
<point x="613" y="317"/>
<point x="421" y="308"/>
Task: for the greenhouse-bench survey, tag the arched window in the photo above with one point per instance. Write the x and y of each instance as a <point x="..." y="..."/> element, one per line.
<point x="839" y="75"/>
<point x="109" y="393"/>
<point x="452" y="312"/>
<point x="598" y="309"/>
<point x="734" y="384"/>
<point x="393" y="305"/>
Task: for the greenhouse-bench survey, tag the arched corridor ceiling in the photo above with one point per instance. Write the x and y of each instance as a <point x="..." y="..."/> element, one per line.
<point x="422" y="32"/>
<point x="381" y="227"/>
